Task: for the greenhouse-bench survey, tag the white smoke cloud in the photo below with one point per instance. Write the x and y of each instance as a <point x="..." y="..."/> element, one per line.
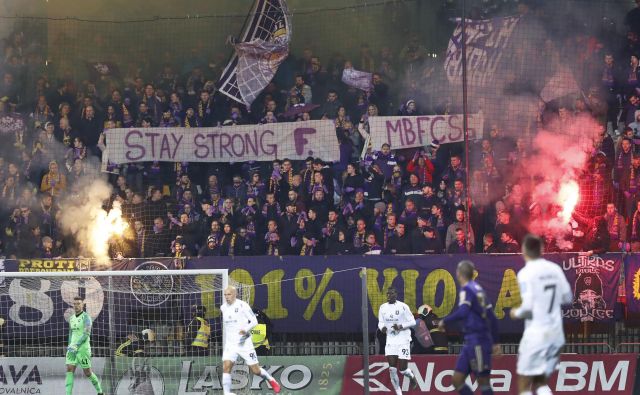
<point x="85" y="218"/>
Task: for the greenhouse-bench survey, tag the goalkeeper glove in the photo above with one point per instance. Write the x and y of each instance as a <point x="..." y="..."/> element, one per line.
<point x="72" y="349"/>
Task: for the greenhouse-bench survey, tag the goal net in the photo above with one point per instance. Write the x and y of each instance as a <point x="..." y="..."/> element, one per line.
<point x="146" y="337"/>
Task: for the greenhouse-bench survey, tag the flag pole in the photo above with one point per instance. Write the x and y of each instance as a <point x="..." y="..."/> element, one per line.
<point x="465" y="123"/>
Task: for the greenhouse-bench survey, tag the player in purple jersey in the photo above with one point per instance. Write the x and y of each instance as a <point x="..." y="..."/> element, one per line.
<point x="480" y="327"/>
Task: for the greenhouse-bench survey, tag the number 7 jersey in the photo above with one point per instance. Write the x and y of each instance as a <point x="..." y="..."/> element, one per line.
<point x="544" y="289"/>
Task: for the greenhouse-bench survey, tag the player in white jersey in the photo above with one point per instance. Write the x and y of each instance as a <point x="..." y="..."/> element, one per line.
<point x="544" y="289"/>
<point x="396" y="320"/>
<point x="238" y="319"/>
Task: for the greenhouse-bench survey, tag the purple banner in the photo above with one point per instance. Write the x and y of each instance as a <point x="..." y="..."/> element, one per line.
<point x="35" y="307"/>
<point x="594" y="281"/>
<point x="330" y="301"/>
<point x="632" y="284"/>
<point x="311" y="294"/>
<point x="38" y="308"/>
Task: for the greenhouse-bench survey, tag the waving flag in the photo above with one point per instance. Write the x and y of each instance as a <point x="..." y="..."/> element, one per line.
<point x="486" y="41"/>
<point x="263" y="46"/>
<point x="357" y="79"/>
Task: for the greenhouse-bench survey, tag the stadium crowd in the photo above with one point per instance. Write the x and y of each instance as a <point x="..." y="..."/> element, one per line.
<point x="383" y="201"/>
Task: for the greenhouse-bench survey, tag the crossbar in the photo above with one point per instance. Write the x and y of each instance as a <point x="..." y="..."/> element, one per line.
<point x="117" y="273"/>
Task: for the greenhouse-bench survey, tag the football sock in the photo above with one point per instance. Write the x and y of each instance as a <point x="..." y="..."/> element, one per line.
<point x="69" y="383"/>
<point x="265" y="375"/>
<point x="544" y="390"/>
<point x="226" y="383"/>
<point x="395" y="381"/>
<point x="408" y="373"/>
<point x="96" y="382"/>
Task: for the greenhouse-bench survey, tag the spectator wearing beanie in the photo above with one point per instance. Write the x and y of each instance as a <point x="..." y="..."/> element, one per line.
<point x="211" y="248"/>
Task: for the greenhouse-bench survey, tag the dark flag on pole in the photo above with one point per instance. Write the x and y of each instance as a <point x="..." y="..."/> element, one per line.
<point x="262" y="47"/>
<point x="486" y="41"/>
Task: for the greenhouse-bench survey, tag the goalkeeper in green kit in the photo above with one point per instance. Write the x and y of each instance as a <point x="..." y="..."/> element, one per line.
<point x="79" y="349"/>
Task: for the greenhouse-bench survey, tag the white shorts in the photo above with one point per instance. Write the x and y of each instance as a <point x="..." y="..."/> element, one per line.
<point x="247" y="352"/>
<point x="538" y="356"/>
<point x="402" y="351"/>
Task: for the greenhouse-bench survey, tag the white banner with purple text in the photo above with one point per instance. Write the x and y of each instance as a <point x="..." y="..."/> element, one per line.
<point x="292" y="140"/>
<point x="421" y="130"/>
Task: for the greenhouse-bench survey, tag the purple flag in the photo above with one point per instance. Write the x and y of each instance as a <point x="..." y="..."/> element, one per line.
<point x="357" y="79"/>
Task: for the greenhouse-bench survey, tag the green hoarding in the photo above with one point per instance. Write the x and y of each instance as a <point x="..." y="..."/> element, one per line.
<point x="202" y="376"/>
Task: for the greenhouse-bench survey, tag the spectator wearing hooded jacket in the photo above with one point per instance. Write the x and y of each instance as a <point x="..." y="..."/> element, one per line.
<point x="385" y="160"/>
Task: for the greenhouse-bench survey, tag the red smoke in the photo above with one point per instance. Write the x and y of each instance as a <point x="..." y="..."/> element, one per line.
<point x="561" y="154"/>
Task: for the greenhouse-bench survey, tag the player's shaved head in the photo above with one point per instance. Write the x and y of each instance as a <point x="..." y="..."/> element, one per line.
<point x="230" y="294"/>
<point x="532" y="247"/>
<point x="466" y="269"/>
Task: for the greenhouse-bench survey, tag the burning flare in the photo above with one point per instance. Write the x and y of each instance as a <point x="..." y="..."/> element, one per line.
<point x="567" y="198"/>
<point x="105" y="226"/>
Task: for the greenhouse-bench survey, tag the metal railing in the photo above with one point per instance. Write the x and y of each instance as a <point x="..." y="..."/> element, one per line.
<point x="628" y="348"/>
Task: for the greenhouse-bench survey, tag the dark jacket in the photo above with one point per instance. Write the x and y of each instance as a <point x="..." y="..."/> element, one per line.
<point x="423" y="245"/>
<point x="492" y="249"/>
<point x="398" y="245"/>
<point x="456" y="248"/>
<point x="335" y="247"/>
<point x="597" y="238"/>
<point x="509" y="248"/>
<point x="159" y="244"/>
<point x="206" y="251"/>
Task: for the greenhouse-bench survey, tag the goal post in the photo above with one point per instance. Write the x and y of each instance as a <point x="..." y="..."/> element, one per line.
<point x="144" y="332"/>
